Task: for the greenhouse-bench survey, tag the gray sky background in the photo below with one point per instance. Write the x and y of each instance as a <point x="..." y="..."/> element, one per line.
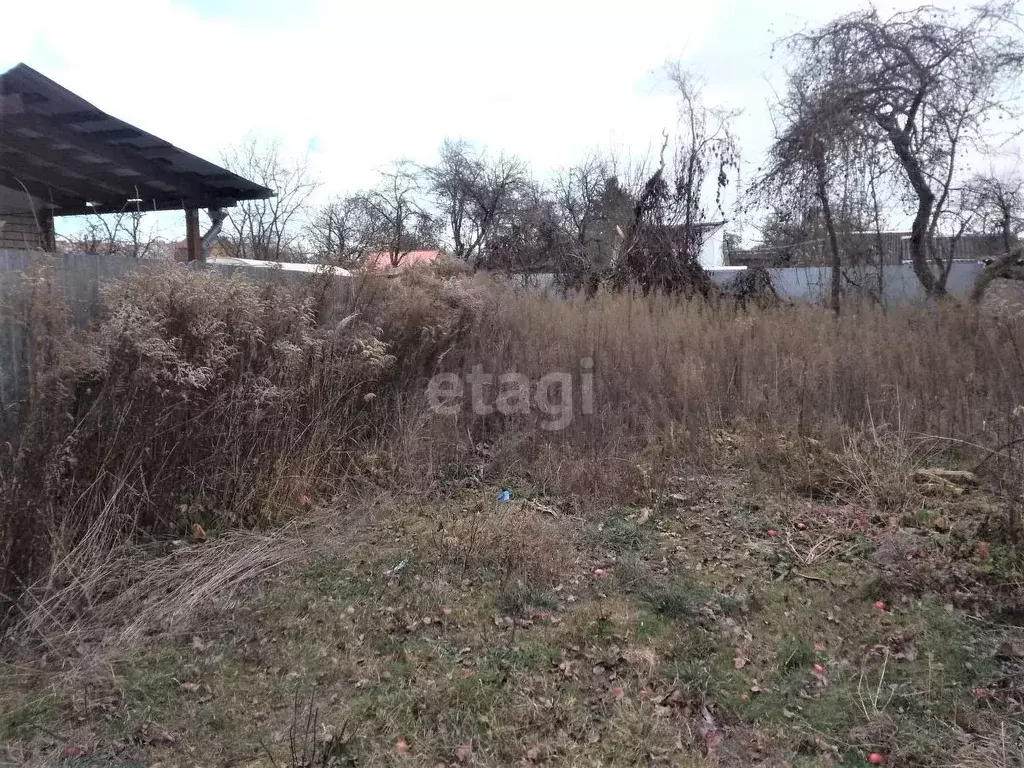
<point x="360" y="84"/>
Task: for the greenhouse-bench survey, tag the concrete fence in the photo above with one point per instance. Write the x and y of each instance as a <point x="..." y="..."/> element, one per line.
<point x="899" y="284"/>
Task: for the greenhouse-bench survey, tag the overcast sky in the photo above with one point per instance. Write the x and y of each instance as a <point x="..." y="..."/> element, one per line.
<point x="360" y="84"/>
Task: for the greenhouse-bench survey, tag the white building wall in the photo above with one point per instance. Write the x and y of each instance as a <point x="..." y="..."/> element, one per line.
<point x="712" y="251"/>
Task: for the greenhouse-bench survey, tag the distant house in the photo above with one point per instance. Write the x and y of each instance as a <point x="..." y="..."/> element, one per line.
<point x="711" y="236"/>
<point x="284" y="266"/>
<point x="382" y="260"/>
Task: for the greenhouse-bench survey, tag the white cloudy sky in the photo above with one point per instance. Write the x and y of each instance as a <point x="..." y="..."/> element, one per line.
<point x="359" y="84"/>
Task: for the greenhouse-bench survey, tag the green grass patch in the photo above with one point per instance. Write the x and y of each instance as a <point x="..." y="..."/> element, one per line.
<point x="678" y="599"/>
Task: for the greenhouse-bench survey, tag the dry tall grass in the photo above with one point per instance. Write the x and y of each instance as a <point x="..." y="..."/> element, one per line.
<point x="669" y="375"/>
<point x="200" y="399"/>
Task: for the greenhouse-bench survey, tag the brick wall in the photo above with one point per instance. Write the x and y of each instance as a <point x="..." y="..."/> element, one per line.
<point x="21" y="230"/>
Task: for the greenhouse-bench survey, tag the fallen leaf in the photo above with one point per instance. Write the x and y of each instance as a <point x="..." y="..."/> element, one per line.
<point x="198" y="532"/>
<point x="740" y="659"/>
<point x="158" y="736"/>
<point x="709" y="732"/>
<point x="402" y="747"/>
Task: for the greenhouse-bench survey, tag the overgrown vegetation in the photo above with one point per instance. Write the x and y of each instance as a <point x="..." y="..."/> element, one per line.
<point x="749" y="487"/>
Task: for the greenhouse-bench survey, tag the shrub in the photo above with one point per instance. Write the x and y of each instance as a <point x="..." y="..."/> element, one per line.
<point x="199" y="399"/>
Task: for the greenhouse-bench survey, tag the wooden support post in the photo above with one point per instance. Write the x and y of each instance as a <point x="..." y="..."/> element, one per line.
<point x="49" y="233"/>
<point x="193" y="239"/>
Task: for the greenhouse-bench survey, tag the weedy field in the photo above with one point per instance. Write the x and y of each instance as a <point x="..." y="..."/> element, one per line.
<point x="779" y="539"/>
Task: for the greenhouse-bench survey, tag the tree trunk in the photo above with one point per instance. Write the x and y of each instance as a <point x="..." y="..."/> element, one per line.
<point x="925" y="203"/>
<point x="833" y="241"/>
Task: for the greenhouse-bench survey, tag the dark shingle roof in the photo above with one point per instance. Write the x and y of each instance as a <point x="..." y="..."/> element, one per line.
<point x="74" y="158"/>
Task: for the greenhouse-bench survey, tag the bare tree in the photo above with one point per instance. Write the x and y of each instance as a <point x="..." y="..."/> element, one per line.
<point x="133" y="233"/>
<point x="397" y="220"/>
<point x="662" y="245"/>
<point x="471" y="190"/>
<point x="530" y="237"/>
<point x="579" y="191"/>
<point x="594" y="200"/>
<point x="141" y="233"/>
<point x="999" y="202"/>
<point x="343" y="231"/>
<point x="924" y="84"/>
<point x="814" y="146"/>
<point x="268" y="229"/>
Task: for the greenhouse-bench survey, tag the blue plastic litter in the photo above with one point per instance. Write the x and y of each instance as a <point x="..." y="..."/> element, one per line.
<point x="505" y="495"/>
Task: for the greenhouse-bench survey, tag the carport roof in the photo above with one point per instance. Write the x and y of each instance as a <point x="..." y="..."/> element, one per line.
<point x="72" y="158"/>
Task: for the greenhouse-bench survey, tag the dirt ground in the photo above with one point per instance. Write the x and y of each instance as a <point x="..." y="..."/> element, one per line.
<point x="711" y="623"/>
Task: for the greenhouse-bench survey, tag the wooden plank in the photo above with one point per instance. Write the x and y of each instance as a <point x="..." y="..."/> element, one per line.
<point x="149" y="204"/>
<point x="193" y="238"/>
<point x="49" y="231"/>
